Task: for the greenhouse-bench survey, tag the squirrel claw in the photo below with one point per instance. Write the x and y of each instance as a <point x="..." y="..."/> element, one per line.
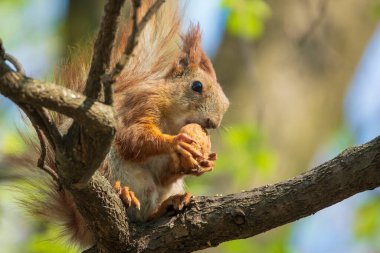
<point x="201" y="171"/>
<point x="181" y="201"/>
<point x="127" y="197"/>
<point x="117" y="187"/>
<point x="205" y="165"/>
<point x="212" y="157"/>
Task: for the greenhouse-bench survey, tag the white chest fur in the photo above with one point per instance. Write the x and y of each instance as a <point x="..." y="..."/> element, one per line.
<point x="142" y="178"/>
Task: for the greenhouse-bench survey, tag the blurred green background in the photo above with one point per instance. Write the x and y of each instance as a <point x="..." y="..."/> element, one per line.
<point x="302" y="79"/>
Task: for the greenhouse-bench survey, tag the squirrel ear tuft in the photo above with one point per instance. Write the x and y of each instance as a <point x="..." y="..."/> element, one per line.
<point x="192" y="48"/>
<point x="192" y="55"/>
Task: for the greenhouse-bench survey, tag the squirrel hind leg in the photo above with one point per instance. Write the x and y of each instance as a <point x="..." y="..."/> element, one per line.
<point x="127" y="196"/>
<point x="176" y="203"/>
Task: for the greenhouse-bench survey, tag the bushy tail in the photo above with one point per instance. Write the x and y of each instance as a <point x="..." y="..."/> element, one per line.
<point x="44" y="198"/>
<point x="156" y="50"/>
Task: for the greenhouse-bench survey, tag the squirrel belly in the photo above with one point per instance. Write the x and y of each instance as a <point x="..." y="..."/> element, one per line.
<point x="144" y="179"/>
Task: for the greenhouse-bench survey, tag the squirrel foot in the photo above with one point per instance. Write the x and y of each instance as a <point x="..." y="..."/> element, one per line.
<point x="127" y="196"/>
<point x="175" y="202"/>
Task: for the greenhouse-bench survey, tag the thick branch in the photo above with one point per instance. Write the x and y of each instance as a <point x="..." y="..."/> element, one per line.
<point x="24" y="90"/>
<point x="105" y="214"/>
<point x="213" y="220"/>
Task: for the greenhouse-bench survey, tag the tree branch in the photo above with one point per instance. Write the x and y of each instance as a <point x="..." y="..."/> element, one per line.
<point x="41" y="161"/>
<point x="104" y="43"/>
<point x="88" y="112"/>
<point x="213" y="220"/>
<point x="42" y="123"/>
<point x="105" y="214"/>
<point x="6" y="57"/>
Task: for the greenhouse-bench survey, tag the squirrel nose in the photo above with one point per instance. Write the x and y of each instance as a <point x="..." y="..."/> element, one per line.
<point x="211" y="123"/>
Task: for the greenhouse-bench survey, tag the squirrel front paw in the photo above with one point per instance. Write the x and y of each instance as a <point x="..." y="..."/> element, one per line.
<point x="127" y="197"/>
<point x="206" y="165"/>
<point x="189" y="155"/>
<point x="200" y="142"/>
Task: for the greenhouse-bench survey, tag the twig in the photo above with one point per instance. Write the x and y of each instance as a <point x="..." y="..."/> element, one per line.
<point x="137" y="28"/>
<point x="43" y="126"/>
<point x="101" y="57"/>
<point x="107" y="79"/>
<point x="2" y="49"/>
<point x="41" y="120"/>
<point x="38" y="117"/>
<point x="133" y="38"/>
<point x="41" y="161"/>
<point x="7" y="57"/>
<point x="51" y="128"/>
<point x="15" y="63"/>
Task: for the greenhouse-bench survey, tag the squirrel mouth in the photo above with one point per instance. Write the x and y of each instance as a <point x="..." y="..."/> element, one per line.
<point x="187" y="122"/>
<point x="207" y="124"/>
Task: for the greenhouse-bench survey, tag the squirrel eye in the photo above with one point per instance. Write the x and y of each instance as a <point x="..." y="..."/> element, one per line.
<point x="197" y="86"/>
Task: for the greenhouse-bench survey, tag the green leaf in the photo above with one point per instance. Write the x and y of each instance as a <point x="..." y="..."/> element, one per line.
<point x="375" y="11"/>
<point x="367" y="222"/>
<point x="247" y="17"/>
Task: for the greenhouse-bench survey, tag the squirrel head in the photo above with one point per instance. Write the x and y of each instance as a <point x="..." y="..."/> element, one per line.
<point x="192" y="82"/>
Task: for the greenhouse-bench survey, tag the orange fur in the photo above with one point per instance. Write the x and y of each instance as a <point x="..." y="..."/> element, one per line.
<point x="153" y="100"/>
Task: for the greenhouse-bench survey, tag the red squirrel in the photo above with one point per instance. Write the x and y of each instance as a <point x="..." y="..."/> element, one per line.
<point x="165" y="98"/>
